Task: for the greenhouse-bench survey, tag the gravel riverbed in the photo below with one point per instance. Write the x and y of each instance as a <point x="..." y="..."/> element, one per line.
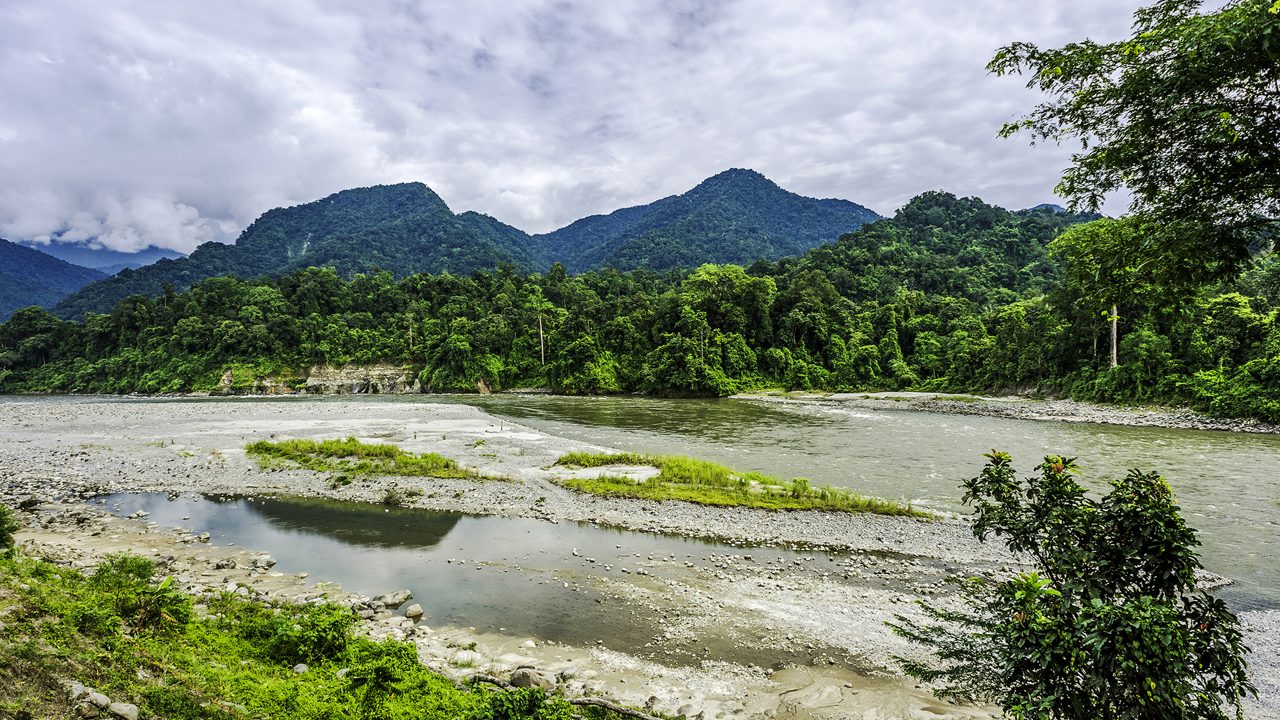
<point x="827" y="616"/>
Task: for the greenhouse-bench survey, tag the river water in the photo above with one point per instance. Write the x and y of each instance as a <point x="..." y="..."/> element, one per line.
<point x="1226" y="483"/>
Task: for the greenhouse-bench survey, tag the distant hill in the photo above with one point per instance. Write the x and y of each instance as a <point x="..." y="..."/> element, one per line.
<point x="738" y="216"/>
<point x="30" y="277"/>
<point x="403" y="228"/>
<point x="103" y="259"/>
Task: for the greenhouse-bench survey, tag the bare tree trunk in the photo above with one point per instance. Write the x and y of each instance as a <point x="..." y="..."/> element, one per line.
<point x="1115" y="323"/>
<point x="541" y="342"/>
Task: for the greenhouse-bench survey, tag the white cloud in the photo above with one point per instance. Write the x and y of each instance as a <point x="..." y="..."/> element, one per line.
<point x="173" y="124"/>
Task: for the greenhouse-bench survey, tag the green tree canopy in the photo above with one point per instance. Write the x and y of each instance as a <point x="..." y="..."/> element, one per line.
<point x="1185" y="115"/>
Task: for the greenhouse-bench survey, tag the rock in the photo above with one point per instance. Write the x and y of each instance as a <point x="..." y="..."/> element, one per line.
<point x="265" y="562"/>
<point x="99" y="700"/>
<point x="300" y="668"/>
<point x="394" y="599"/>
<point x="342" y="673"/>
<point x="528" y="644"/>
<point x="528" y="678"/>
<point x="76" y="691"/>
<point x="87" y="710"/>
<point x="128" y="711"/>
<point x="413" y="612"/>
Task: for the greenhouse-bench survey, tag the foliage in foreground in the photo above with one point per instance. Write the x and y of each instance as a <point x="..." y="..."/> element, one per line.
<point x="353" y="457"/>
<point x="231" y="659"/>
<point x="706" y="483"/>
<point x="1110" y="623"/>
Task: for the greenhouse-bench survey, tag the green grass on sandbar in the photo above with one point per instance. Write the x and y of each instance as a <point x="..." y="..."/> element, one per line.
<point x="698" y="481"/>
<point x="352" y="457"/>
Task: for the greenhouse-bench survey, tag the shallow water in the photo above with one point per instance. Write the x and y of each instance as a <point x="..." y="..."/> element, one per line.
<point x="1227" y="483"/>
<point x="520" y="575"/>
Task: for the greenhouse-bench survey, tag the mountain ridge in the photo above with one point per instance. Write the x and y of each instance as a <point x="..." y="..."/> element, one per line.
<point x="736" y="216"/>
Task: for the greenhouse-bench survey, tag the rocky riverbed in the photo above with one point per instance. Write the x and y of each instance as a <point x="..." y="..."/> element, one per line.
<point x="819" y="621"/>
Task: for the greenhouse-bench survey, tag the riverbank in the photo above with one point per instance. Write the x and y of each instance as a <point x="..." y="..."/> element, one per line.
<point x="1025" y="408"/>
<point x="814" y="627"/>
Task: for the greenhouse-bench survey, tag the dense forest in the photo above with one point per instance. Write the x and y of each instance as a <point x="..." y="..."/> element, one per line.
<point x="951" y="294"/>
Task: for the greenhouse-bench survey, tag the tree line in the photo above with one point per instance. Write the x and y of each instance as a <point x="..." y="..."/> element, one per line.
<point x="950" y="295"/>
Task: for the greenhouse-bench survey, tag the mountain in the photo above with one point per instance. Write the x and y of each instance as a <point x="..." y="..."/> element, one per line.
<point x="738" y="216"/>
<point x="1058" y="209"/>
<point x="403" y="228"/>
<point x="103" y="259"/>
<point x="30" y="277"/>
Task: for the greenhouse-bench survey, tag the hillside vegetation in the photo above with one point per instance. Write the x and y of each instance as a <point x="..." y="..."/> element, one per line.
<point x="30" y="277"/>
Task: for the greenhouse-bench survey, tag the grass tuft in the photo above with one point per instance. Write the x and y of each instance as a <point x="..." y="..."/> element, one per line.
<point x="352" y="457"/>
<point x="707" y="483"/>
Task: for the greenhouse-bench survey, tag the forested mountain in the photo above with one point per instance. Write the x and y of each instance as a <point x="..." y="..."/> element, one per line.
<point x="950" y="294"/>
<point x="30" y="277"/>
<point x="404" y="228"/>
<point x="738" y="216"/>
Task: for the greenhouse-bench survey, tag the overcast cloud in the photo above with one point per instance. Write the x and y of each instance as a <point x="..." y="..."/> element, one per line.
<point x="175" y="123"/>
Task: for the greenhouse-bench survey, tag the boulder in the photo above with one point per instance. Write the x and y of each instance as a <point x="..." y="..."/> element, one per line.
<point x="99" y="700"/>
<point x="300" y="668"/>
<point x="394" y="599"/>
<point x="128" y="711"/>
<point x="87" y="710"/>
<point x="529" y="678"/>
<point x="413" y="612"/>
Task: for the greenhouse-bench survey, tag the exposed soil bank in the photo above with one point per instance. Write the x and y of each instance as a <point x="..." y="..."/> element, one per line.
<point x="831" y="614"/>
<point x="1022" y="408"/>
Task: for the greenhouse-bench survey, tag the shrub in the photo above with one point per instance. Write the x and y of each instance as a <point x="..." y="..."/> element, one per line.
<point x="1110" y="624"/>
<point x="8" y="526"/>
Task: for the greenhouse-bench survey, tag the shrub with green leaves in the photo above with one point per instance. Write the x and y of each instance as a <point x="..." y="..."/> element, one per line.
<point x="1109" y="624"/>
<point x="8" y="526"/>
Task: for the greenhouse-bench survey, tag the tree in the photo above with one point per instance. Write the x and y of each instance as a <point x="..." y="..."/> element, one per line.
<point x="1105" y="267"/>
<point x="1109" y="624"/>
<point x="1185" y="115"/>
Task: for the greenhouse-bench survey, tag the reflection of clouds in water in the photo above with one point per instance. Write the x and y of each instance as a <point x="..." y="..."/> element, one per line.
<point x="523" y="563"/>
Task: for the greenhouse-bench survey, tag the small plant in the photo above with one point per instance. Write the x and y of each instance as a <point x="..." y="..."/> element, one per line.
<point x="393" y="497"/>
<point x="161" y="608"/>
<point x="8" y="526"/>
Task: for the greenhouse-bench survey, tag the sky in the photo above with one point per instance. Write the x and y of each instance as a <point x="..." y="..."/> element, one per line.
<point x="134" y="123"/>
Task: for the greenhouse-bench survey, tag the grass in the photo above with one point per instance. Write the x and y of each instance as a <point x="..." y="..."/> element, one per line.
<point x="352" y="457"/>
<point x="706" y="483"/>
<point x="231" y="658"/>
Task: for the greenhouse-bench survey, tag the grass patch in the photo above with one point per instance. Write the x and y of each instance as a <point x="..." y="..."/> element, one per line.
<point x="706" y="483"/>
<point x="351" y="457"/>
<point x="225" y="658"/>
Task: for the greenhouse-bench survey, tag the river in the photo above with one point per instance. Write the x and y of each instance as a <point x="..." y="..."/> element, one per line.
<point x="1226" y="483"/>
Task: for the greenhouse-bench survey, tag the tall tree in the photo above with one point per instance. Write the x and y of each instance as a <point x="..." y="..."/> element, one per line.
<point x="1185" y="115"/>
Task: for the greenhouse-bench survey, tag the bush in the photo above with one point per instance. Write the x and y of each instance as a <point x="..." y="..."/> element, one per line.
<point x="309" y="633"/>
<point x="1110" y="624"/>
<point x="8" y="526"/>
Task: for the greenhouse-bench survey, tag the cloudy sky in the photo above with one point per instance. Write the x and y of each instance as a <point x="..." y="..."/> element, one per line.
<point x="174" y="123"/>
